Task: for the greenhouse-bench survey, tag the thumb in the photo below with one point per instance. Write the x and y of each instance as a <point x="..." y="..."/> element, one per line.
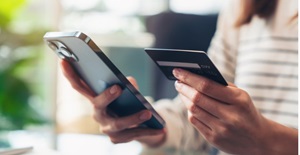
<point x="133" y="82"/>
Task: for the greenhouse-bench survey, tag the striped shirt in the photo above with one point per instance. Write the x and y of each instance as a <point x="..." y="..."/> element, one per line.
<point x="261" y="58"/>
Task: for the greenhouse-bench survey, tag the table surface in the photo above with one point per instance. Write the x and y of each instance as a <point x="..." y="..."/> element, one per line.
<point x="81" y="144"/>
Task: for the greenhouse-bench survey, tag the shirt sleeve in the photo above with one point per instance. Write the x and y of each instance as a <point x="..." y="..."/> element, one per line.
<point x="181" y="135"/>
<point x="223" y="47"/>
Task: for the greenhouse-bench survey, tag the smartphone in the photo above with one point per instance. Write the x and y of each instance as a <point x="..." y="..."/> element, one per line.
<point x="99" y="73"/>
<point x="196" y="62"/>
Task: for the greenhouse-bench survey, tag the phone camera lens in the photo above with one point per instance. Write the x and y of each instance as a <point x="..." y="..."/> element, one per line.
<point x="61" y="55"/>
<point x="52" y="46"/>
<point x="66" y="54"/>
<point x="62" y="51"/>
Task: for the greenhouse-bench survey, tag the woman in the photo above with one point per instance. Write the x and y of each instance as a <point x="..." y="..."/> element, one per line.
<point x="256" y="48"/>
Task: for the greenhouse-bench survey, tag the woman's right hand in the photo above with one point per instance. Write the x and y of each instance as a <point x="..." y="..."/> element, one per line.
<point x="119" y="129"/>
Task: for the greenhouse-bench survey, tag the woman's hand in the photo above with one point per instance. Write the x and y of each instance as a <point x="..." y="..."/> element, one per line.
<point x="119" y="129"/>
<point x="227" y="118"/>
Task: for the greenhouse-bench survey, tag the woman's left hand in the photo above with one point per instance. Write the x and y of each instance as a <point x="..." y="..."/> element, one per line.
<point x="224" y="115"/>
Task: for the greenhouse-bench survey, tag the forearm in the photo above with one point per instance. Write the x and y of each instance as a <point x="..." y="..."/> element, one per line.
<point x="283" y="140"/>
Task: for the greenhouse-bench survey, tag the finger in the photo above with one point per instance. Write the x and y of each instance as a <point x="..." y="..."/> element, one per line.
<point x="106" y="97"/>
<point x="208" y="87"/>
<point x="75" y="81"/>
<point x="133" y="82"/>
<point x="194" y="98"/>
<point x="199" y="113"/>
<point x="133" y="134"/>
<point x="204" y="130"/>
<point x="121" y="123"/>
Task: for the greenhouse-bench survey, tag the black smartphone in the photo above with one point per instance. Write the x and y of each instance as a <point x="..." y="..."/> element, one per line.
<point x="99" y="73"/>
<point x="194" y="61"/>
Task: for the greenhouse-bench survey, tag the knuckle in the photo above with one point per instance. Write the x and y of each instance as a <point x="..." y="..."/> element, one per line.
<point x="192" y="119"/>
<point x="235" y="123"/>
<point x="184" y="76"/>
<point x="204" y="86"/>
<point x="196" y="97"/>
<point x="243" y="96"/>
<point x="194" y="109"/>
<point x="214" y="138"/>
<point x="244" y="100"/>
<point x="224" y="131"/>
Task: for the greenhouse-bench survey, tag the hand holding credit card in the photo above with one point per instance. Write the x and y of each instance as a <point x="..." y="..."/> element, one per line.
<point x="194" y="61"/>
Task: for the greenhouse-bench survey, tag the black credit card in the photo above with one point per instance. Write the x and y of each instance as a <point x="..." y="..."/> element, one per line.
<point x="194" y="61"/>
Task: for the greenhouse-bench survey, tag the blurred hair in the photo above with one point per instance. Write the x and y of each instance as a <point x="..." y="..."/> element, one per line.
<point x="262" y="8"/>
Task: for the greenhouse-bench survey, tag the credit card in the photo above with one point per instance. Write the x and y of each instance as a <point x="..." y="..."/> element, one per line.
<point x="196" y="62"/>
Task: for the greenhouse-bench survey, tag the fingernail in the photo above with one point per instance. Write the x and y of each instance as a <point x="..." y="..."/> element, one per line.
<point x="176" y="72"/>
<point x="145" y="116"/>
<point x="113" y="90"/>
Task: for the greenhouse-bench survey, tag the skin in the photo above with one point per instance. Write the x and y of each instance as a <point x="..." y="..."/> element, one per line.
<point x="121" y="129"/>
<point x="224" y="116"/>
<point x="227" y="118"/>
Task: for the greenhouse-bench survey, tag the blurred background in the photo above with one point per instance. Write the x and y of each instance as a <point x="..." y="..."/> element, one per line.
<point x="37" y="105"/>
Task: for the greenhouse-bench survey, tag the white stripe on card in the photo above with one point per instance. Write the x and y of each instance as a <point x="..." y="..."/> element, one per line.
<point x="178" y="64"/>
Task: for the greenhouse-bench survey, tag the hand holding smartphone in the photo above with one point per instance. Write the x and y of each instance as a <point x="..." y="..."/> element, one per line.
<point x="99" y="73"/>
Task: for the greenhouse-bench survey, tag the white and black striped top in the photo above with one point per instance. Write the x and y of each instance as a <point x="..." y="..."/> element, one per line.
<point x="261" y="58"/>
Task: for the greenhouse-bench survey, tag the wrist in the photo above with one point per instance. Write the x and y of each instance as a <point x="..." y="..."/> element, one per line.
<point x="160" y="141"/>
<point x="280" y="140"/>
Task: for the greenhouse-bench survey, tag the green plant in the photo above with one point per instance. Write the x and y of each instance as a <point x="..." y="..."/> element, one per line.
<point x="8" y="10"/>
<point x="15" y="93"/>
<point x="18" y="58"/>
